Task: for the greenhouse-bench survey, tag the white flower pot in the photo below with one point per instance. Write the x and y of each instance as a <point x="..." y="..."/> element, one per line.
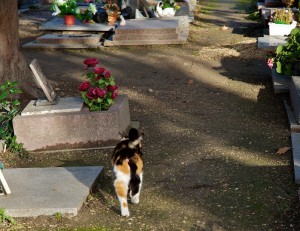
<point x="281" y="29"/>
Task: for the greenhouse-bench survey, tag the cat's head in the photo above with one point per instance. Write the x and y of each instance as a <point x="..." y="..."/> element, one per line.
<point x="134" y="138"/>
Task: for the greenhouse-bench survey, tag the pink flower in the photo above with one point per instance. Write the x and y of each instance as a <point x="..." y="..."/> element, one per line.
<point x="270" y="63"/>
<point x="112" y="88"/>
<point x="87" y="1"/>
<point x="99" y="92"/>
<point x="99" y="70"/>
<point x="91" y="62"/>
<point x="106" y="74"/>
<point x="114" y="94"/>
<point x="84" y="86"/>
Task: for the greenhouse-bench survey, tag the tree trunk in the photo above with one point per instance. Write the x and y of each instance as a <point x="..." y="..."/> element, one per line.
<point x="13" y="65"/>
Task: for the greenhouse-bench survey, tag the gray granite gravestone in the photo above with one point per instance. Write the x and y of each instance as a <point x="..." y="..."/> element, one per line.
<point x="43" y="82"/>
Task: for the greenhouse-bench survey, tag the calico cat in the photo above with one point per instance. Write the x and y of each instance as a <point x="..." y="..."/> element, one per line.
<point x="128" y="166"/>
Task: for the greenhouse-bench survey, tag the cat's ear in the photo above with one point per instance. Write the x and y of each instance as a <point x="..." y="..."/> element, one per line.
<point x="141" y="137"/>
<point x="122" y="137"/>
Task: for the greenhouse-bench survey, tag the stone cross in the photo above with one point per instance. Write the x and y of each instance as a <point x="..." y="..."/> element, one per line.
<point x="43" y="82"/>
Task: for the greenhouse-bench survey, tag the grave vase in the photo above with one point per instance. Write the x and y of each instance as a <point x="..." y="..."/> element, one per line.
<point x="69" y="20"/>
<point x="281" y="29"/>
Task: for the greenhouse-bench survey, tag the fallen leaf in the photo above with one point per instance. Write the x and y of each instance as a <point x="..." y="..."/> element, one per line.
<point x="283" y="150"/>
<point x="190" y="81"/>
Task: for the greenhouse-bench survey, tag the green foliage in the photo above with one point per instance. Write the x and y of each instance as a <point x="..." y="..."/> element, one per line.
<point x="65" y="7"/>
<point x="6" y="218"/>
<point x="255" y="16"/>
<point x="288" y="54"/>
<point x="9" y="108"/>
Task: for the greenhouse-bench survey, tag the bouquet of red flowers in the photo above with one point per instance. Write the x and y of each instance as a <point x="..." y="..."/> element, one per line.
<point x="99" y="90"/>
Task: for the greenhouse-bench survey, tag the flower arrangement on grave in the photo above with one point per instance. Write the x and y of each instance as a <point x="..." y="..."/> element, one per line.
<point x="64" y="7"/>
<point x="282" y="16"/>
<point x="99" y="90"/>
<point x="166" y="8"/>
<point x="287" y="55"/>
<point x="70" y="7"/>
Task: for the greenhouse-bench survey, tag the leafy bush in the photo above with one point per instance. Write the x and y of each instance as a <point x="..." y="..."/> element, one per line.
<point x="9" y="108"/>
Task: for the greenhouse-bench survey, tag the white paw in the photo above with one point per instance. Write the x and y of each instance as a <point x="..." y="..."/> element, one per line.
<point x="135" y="200"/>
<point x="125" y="212"/>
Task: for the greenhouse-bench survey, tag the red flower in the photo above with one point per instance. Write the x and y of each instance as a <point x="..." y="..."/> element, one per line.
<point x="99" y="92"/>
<point x="114" y="94"/>
<point x="84" y="86"/>
<point x="106" y="74"/>
<point x="99" y="70"/>
<point x="90" y="93"/>
<point x="91" y="62"/>
<point x="112" y="88"/>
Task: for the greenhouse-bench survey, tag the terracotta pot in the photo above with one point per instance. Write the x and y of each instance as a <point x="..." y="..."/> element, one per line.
<point x="69" y="20"/>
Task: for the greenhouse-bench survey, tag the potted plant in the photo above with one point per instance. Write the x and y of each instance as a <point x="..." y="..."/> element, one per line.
<point x="113" y="12"/>
<point x="66" y="8"/>
<point x="288" y="55"/>
<point x="282" y="22"/>
<point x="99" y="90"/>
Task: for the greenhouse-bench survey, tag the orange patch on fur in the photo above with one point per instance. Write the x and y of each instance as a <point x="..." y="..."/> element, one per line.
<point x="124" y="167"/>
<point x="139" y="163"/>
<point x="125" y="204"/>
<point x="120" y="189"/>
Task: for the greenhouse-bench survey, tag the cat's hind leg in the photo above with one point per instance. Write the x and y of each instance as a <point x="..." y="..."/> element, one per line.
<point x="121" y="188"/>
<point x="135" y="189"/>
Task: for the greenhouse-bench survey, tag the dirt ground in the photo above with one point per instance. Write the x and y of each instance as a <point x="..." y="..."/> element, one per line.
<point x="212" y="127"/>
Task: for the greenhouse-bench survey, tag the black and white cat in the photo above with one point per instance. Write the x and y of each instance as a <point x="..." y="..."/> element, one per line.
<point x="128" y="167"/>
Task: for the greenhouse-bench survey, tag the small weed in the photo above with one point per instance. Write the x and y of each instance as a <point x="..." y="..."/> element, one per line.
<point x="58" y="216"/>
<point x="5" y="218"/>
<point x="255" y="16"/>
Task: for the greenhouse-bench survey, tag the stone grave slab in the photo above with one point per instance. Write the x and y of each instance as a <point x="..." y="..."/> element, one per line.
<point x="294" y="125"/>
<point x="270" y="41"/>
<point x="68" y="104"/>
<point x="151" y="32"/>
<point x="46" y="191"/>
<point x="295" y="96"/>
<point x="42" y="81"/>
<point x="296" y="155"/>
<point x="281" y="83"/>
<point x="57" y="24"/>
<point x="82" y="129"/>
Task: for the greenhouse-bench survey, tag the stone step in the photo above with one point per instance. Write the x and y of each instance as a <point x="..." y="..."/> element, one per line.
<point x="87" y="39"/>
